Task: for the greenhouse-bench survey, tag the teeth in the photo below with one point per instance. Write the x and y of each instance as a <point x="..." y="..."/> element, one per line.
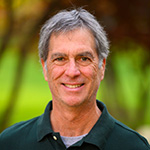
<point x="73" y="86"/>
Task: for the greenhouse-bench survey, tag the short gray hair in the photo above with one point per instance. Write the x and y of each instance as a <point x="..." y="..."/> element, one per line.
<point x="67" y="20"/>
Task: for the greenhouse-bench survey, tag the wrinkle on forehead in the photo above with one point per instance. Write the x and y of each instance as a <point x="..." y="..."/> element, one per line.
<point x="69" y="35"/>
<point x="73" y="36"/>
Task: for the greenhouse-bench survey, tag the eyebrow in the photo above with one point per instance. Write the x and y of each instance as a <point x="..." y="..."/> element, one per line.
<point x="82" y="54"/>
<point x="55" y="55"/>
<point x="86" y="53"/>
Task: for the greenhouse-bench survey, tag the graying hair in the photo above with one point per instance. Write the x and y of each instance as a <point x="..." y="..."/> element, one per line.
<point x="68" y="20"/>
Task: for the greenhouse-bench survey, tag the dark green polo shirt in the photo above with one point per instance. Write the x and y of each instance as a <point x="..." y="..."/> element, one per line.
<point x="37" y="134"/>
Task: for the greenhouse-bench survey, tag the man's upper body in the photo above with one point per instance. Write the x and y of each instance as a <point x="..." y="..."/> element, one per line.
<point x="106" y="134"/>
<point x="73" y="49"/>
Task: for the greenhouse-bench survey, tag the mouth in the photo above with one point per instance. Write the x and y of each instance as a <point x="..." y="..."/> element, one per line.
<point x="73" y="86"/>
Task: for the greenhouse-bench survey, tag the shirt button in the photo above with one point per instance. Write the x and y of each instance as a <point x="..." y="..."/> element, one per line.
<point x="54" y="137"/>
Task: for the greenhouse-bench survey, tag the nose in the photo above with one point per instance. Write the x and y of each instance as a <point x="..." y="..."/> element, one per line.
<point x="72" y="69"/>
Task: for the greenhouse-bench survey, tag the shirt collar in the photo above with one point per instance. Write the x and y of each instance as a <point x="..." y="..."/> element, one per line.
<point x="102" y="129"/>
<point x="44" y="126"/>
<point x="97" y="136"/>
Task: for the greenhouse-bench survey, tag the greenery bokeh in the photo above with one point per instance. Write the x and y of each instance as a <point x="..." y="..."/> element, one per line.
<point x="126" y="87"/>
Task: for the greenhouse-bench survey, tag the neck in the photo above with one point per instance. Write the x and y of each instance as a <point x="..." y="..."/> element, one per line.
<point x="74" y="121"/>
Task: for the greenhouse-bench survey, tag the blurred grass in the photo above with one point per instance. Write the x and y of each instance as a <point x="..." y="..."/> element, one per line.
<point x="34" y="93"/>
<point x="126" y="81"/>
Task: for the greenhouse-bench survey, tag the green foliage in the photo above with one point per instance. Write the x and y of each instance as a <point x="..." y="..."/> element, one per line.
<point x="34" y="93"/>
<point x="126" y="88"/>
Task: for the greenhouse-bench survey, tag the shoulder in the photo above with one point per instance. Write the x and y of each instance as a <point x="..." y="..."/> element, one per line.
<point x="18" y="131"/>
<point x="125" y="137"/>
<point x="20" y="127"/>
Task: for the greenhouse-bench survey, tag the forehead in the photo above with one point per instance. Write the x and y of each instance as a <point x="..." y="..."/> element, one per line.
<point x="78" y="39"/>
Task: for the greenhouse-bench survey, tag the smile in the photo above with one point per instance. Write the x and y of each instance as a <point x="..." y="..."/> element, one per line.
<point x="73" y="86"/>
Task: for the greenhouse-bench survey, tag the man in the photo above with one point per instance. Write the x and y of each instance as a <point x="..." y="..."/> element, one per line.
<point x="73" y="49"/>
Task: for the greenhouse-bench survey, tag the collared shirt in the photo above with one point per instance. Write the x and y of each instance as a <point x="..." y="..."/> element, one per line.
<point x="106" y="134"/>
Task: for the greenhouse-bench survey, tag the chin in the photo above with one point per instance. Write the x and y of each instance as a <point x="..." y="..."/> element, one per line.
<point x="73" y="102"/>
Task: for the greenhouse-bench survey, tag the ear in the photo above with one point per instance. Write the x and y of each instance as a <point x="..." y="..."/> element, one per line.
<point x="102" y="69"/>
<point x="44" y="69"/>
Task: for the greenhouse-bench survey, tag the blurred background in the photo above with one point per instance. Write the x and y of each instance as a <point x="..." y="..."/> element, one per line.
<point x="126" y="88"/>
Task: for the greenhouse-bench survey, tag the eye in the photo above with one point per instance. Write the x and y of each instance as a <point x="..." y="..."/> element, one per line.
<point x="84" y="58"/>
<point x="84" y="61"/>
<point x="59" y="59"/>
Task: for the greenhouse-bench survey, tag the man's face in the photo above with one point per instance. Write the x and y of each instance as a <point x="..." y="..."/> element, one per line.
<point x="72" y="70"/>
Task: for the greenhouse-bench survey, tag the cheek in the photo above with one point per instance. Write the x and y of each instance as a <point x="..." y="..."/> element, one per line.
<point x="54" y="72"/>
<point x="91" y="72"/>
